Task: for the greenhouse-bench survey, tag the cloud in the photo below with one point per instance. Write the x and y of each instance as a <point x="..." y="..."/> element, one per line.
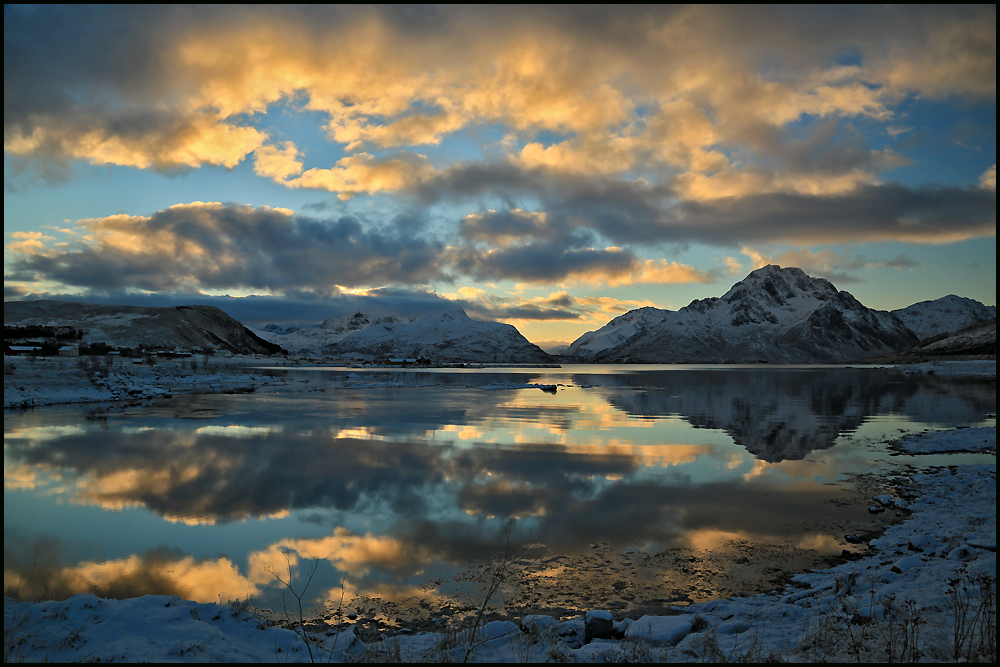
<point x="364" y="173"/>
<point x="612" y="305"/>
<point x="652" y="91"/>
<point x="885" y="212"/>
<point x="629" y="213"/>
<point x="545" y="146"/>
<point x="556" y="306"/>
<point x="278" y="163"/>
<point x="543" y="262"/>
<point x="157" y="141"/>
<point x="989" y="178"/>
<point x="227" y="246"/>
<point x="837" y="267"/>
<point x="29" y="242"/>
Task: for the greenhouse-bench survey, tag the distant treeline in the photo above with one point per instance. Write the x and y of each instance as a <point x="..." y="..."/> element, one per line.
<point x="59" y="333"/>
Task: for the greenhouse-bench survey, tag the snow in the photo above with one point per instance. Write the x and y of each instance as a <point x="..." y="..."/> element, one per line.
<point x="311" y="341"/>
<point x="959" y="440"/>
<point x="661" y="630"/>
<point x="616" y="332"/>
<point x="975" y="367"/>
<point x="449" y="337"/>
<point x="775" y="315"/>
<point x="947" y="314"/>
<point x="37" y="381"/>
<point x="495" y="386"/>
<point x="898" y="601"/>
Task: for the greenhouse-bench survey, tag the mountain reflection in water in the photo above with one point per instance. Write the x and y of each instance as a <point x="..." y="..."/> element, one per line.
<point x="395" y="490"/>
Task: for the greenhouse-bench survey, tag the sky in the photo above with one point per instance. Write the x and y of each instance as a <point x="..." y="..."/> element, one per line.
<point x="551" y="167"/>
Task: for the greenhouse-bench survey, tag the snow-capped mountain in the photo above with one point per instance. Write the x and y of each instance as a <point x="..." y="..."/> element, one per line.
<point x="452" y="337"/>
<point x="278" y="329"/>
<point x="616" y="332"/>
<point x="945" y="315"/>
<point x="978" y="341"/>
<point x="312" y="341"/>
<point x="180" y="327"/>
<point x="773" y="315"/>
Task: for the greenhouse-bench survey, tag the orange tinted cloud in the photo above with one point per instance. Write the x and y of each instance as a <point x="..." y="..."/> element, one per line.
<point x="669" y="85"/>
<point x="650" y="271"/>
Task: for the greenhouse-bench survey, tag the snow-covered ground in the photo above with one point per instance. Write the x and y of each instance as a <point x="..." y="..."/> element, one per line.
<point x="41" y="381"/>
<point x="974" y="367"/>
<point x="926" y="590"/>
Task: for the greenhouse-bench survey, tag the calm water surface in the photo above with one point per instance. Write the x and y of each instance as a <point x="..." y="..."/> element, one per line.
<point x="632" y="486"/>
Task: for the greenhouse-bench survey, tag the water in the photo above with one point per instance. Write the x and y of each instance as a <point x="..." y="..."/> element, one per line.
<point x="628" y="486"/>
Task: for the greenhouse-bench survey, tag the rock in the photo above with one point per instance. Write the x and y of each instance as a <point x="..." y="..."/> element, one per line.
<point x="906" y="563"/>
<point x="921" y="543"/>
<point x="495" y="629"/>
<point x="572" y="632"/>
<point x="661" y="630"/>
<point x="961" y="553"/>
<point x="598" y="624"/>
<point x="988" y="543"/>
<point x="732" y="628"/>
<point x="537" y="623"/>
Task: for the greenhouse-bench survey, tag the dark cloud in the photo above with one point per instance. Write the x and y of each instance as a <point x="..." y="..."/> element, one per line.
<point x="869" y="213"/>
<point x="634" y="213"/>
<point x="305" y="308"/>
<point x="541" y="262"/>
<point x="497" y="226"/>
<point x="232" y="246"/>
<point x="827" y="149"/>
<point x="197" y="246"/>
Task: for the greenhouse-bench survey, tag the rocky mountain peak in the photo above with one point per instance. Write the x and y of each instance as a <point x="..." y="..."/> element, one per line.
<point x="775" y="314"/>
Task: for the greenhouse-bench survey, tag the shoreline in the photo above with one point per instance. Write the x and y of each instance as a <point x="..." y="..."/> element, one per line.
<point x="31" y="382"/>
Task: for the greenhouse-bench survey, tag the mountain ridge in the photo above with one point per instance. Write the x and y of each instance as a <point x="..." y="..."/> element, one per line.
<point x="774" y="315"/>
<point x="169" y="327"/>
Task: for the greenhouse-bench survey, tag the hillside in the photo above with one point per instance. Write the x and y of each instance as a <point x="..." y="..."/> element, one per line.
<point x="451" y="337"/>
<point x="312" y="341"/>
<point x="945" y="315"/>
<point x="976" y="342"/>
<point x="180" y="327"/>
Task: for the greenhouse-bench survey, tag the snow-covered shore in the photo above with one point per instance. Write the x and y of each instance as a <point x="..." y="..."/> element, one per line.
<point x="33" y="382"/>
<point x="946" y="367"/>
<point x="924" y="591"/>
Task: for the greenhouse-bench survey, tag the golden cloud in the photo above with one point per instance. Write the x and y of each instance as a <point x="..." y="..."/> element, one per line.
<point x="364" y="173"/>
<point x="277" y="163"/>
<point x="989" y="178"/>
<point x="191" y="141"/>
<point x="650" y="271"/>
<point x="677" y="87"/>
<point x="31" y="243"/>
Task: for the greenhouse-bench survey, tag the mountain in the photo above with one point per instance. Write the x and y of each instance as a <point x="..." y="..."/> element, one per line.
<point x="452" y="337"/>
<point x="180" y="327"/>
<point x="773" y="315"/>
<point x="312" y="341"/>
<point x="616" y="332"/>
<point x="978" y="341"/>
<point x="945" y="315"/>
